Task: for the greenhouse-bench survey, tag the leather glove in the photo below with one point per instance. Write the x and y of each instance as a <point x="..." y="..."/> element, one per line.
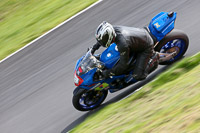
<point x="95" y="47"/>
<point x="92" y="51"/>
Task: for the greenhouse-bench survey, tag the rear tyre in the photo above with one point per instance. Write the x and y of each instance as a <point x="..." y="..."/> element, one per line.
<point x="176" y="39"/>
<point x="84" y="100"/>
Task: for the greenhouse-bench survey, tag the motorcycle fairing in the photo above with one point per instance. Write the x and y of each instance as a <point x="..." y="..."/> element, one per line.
<point x="102" y="86"/>
<point x="78" y="62"/>
<point x="162" y="24"/>
<point x="110" y="56"/>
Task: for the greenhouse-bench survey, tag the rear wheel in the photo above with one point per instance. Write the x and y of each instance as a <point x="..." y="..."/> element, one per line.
<point x="84" y="100"/>
<point x="177" y="41"/>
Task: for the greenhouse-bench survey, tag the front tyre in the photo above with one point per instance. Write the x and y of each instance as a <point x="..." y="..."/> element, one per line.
<point x="176" y="39"/>
<point x="84" y="100"/>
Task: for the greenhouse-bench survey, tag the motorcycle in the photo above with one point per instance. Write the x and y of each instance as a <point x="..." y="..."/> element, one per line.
<point x="92" y="89"/>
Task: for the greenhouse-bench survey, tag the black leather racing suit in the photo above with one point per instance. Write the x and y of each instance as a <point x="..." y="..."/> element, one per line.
<point x="132" y="40"/>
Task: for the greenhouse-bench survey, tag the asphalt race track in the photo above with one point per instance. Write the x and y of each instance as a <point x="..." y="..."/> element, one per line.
<point x="36" y="84"/>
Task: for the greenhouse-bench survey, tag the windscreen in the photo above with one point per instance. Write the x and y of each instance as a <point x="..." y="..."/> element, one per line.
<point x="88" y="63"/>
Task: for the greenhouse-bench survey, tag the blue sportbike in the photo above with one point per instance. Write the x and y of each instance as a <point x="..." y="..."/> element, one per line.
<point x="92" y="89"/>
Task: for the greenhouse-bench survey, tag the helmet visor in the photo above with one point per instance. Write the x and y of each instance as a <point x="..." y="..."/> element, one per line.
<point x="104" y="40"/>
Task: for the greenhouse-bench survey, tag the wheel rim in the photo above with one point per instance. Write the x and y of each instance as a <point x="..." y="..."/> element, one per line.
<point x="171" y="46"/>
<point x="91" y="99"/>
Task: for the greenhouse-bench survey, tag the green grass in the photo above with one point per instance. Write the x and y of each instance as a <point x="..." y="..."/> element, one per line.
<point x="21" y="21"/>
<point x="171" y="103"/>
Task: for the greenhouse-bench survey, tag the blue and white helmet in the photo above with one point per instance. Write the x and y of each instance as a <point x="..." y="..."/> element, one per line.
<point x="105" y="34"/>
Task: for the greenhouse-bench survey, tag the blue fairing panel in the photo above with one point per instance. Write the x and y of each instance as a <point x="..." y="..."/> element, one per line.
<point x="110" y="56"/>
<point x="162" y="24"/>
<point x="88" y="77"/>
<point x="78" y="62"/>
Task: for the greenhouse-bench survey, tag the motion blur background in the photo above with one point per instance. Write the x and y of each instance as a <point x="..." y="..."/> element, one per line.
<point x="37" y="83"/>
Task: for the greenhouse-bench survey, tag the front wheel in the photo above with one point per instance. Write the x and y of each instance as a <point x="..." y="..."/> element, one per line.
<point x="84" y="100"/>
<point x="176" y="40"/>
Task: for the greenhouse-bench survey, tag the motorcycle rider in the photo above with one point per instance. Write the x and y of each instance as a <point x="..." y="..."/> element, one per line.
<point x="128" y="40"/>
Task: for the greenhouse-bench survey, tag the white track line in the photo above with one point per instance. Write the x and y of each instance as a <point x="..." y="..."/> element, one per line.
<point x="51" y="30"/>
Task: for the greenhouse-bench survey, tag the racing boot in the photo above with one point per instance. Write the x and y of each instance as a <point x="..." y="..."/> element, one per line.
<point x="153" y="63"/>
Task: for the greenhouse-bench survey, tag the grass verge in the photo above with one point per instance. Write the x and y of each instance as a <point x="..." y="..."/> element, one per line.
<point x="171" y="103"/>
<point x="21" y="21"/>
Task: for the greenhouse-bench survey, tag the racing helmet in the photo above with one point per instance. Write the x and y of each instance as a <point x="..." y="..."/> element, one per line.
<point x="105" y="34"/>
